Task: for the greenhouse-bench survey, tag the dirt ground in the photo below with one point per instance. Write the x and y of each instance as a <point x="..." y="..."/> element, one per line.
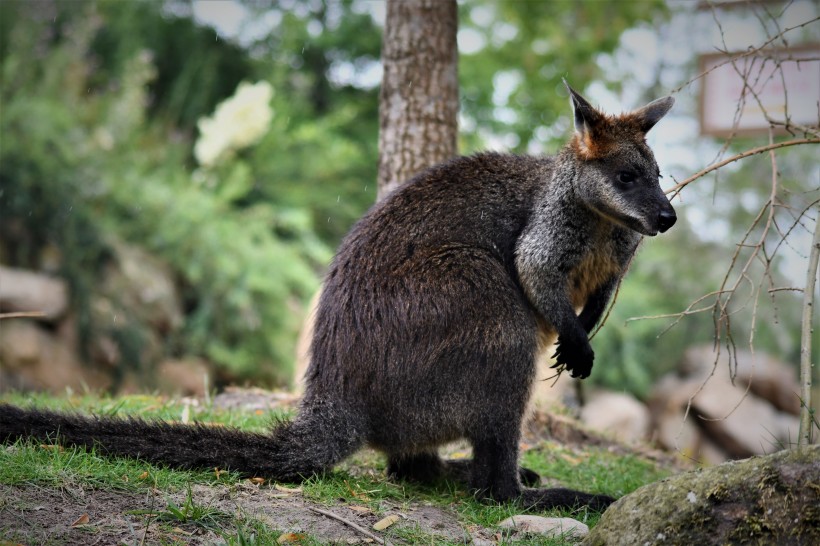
<point x="34" y="515"/>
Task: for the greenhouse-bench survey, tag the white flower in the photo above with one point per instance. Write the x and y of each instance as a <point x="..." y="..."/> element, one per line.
<point x="238" y="122"/>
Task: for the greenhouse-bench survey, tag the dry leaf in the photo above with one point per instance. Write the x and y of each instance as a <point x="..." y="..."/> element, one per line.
<point x="362" y="509"/>
<point x="384" y="523"/>
<point x="218" y="472"/>
<point x="570" y="459"/>
<point x="52" y="447"/>
<point x="284" y="489"/>
<point x="289" y="537"/>
<point x="82" y="520"/>
<point x="257" y="480"/>
<point x="143" y="476"/>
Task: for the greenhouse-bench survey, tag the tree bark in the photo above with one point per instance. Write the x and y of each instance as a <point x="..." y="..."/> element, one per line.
<point x="418" y="104"/>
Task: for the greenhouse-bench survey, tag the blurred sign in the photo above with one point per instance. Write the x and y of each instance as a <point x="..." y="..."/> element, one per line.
<point x="736" y="96"/>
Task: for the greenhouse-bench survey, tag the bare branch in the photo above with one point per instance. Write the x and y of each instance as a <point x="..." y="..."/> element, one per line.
<point x="754" y="151"/>
<point x="805" y="431"/>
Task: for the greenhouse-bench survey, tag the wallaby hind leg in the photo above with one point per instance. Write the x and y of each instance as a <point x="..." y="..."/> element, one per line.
<point x="429" y="467"/>
<point x="496" y="476"/>
<point x="461" y="470"/>
<point x="417" y="467"/>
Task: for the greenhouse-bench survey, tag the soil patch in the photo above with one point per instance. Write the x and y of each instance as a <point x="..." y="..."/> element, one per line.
<point x="32" y="514"/>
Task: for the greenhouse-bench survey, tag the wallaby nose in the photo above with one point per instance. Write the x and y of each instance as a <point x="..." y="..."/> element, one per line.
<point x="667" y="219"/>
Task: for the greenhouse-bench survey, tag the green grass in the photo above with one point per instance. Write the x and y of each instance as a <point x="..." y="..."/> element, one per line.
<point x="359" y="481"/>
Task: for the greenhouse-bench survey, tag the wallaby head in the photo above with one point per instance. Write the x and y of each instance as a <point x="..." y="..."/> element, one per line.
<point x="616" y="172"/>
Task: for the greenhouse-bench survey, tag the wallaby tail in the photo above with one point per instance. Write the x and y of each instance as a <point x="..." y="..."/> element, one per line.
<point x="292" y="451"/>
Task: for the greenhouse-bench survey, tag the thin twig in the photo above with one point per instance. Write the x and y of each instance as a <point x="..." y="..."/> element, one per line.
<point x="804" y="435"/>
<point x="23" y="314"/>
<point x="754" y="151"/>
<point x="359" y="528"/>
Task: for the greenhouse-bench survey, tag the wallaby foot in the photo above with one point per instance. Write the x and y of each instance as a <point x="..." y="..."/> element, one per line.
<point x="460" y="470"/>
<point x="429" y="467"/>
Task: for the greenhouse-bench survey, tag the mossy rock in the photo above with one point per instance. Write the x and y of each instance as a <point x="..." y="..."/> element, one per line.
<point x="772" y="499"/>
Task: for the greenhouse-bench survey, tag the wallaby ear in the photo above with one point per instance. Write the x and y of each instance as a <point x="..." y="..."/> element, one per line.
<point x="586" y="116"/>
<point x="652" y="113"/>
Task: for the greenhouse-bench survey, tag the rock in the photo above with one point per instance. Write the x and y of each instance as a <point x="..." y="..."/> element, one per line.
<point x="32" y="292"/>
<point x="766" y="377"/>
<point x="552" y="527"/>
<point x="618" y="414"/>
<point x="143" y="285"/>
<point x="187" y="376"/>
<point x="762" y="500"/>
<point x="725" y="415"/>
<point x="32" y="358"/>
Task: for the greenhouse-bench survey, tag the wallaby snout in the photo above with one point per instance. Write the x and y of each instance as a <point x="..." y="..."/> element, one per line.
<point x="667" y="219"/>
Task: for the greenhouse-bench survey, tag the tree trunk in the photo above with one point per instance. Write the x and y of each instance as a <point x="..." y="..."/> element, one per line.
<point x="418" y="104"/>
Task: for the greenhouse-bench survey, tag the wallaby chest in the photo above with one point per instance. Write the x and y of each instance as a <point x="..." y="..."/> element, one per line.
<point x="597" y="265"/>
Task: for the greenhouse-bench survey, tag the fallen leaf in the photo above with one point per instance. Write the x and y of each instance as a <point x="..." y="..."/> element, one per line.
<point x="362" y="509"/>
<point x="384" y="523"/>
<point x="257" y="480"/>
<point x="143" y="476"/>
<point x="52" y="447"/>
<point x="289" y="537"/>
<point x="570" y="459"/>
<point x="284" y="489"/>
<point x="82" y="520"/>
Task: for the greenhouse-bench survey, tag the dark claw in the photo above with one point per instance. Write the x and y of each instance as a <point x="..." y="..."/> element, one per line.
<point x="577" y="358"/>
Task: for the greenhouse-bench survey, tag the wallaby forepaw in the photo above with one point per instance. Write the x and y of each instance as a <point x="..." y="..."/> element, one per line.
<point x="576" y="358"/>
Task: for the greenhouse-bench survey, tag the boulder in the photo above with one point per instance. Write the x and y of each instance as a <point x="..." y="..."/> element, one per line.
<point x="765" y="376"/>
<point x="618" y="414"/>
<point x="32" y="358"/>
<point x="31" y="292"/>
<point x="186" y="377"/>
<point x="770" y="499"/>
<point x="143" y="285"/>
<point x="726" y="419"/>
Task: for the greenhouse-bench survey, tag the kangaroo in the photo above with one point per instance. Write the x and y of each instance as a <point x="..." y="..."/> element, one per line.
<point x="434" y="311"/>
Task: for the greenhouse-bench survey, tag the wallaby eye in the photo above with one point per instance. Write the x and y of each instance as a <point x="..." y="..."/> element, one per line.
<point x="625" y="177"/>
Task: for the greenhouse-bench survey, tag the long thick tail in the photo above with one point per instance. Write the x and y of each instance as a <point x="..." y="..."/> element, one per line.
<point x="292" y="451"/>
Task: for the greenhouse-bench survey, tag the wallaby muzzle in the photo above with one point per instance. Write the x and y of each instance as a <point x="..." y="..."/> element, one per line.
<point x="667" y="219"/>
